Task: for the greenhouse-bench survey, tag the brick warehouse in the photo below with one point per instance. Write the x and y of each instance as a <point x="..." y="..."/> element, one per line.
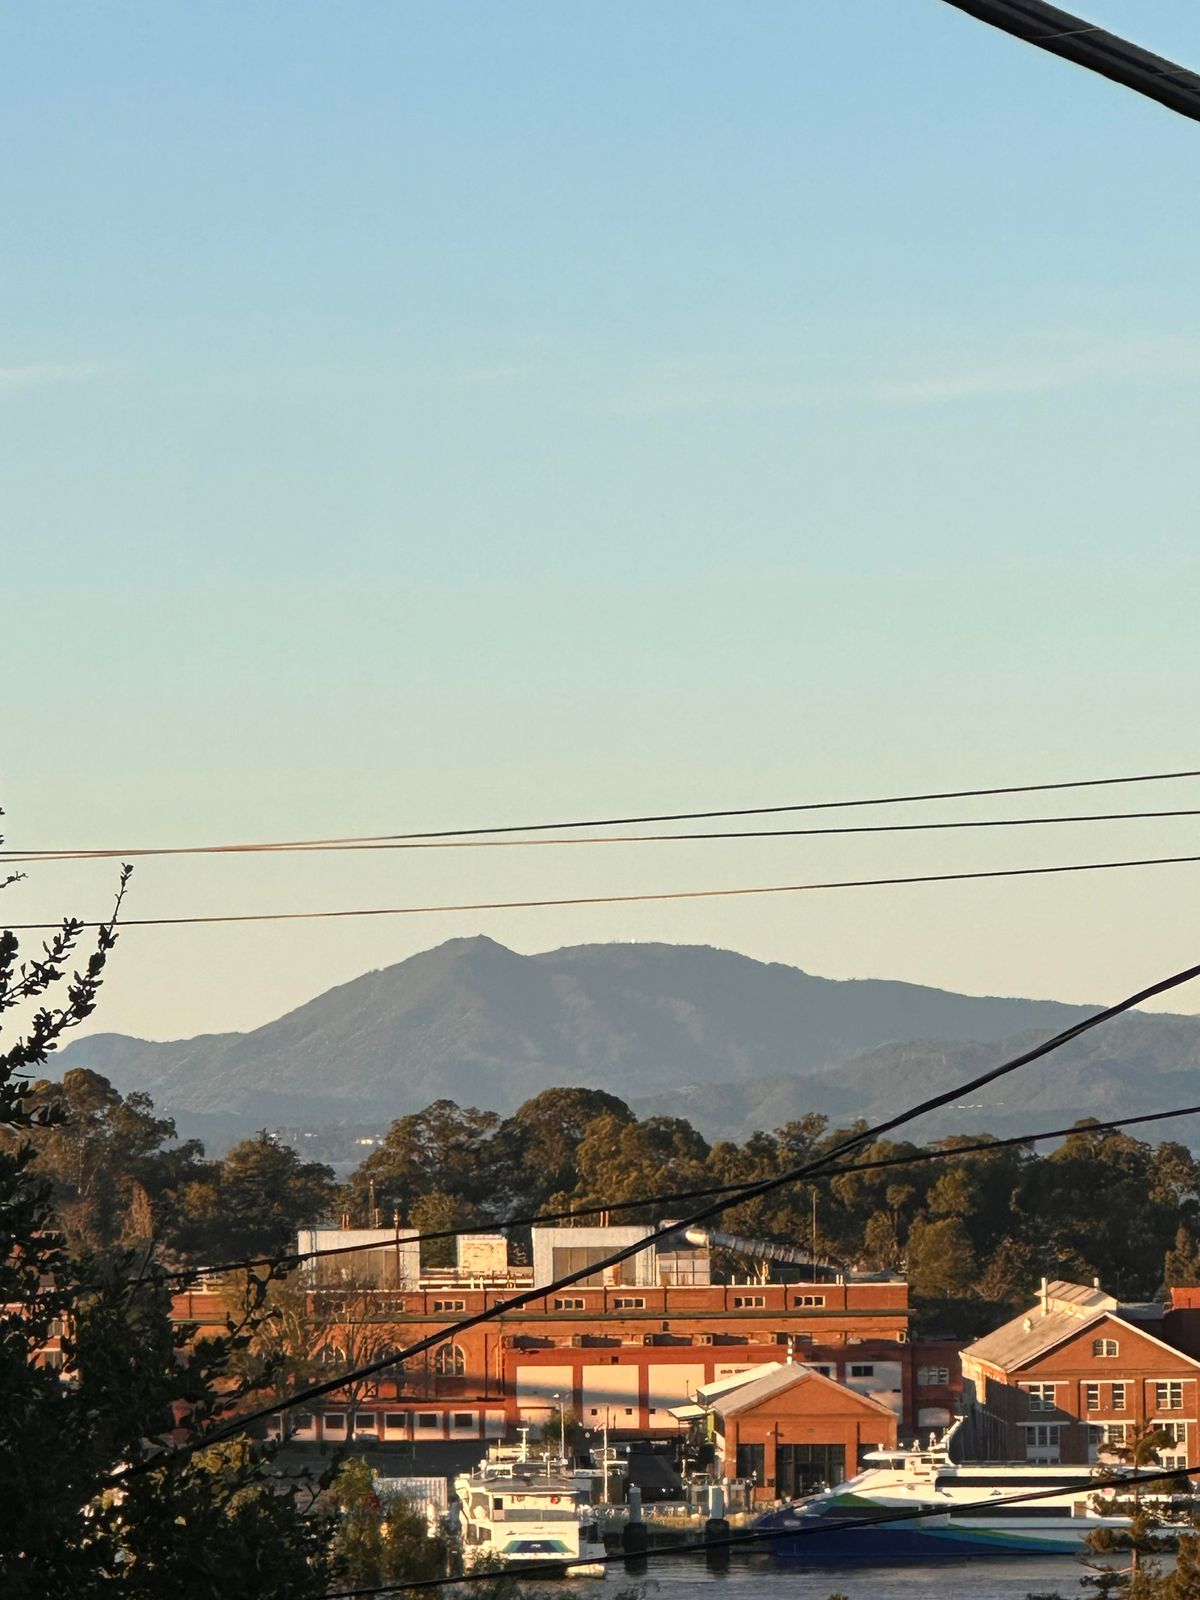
<point x="617" y="1353"/>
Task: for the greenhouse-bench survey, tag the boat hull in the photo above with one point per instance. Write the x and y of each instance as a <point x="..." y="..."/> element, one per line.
<point x="826" y="1542"/>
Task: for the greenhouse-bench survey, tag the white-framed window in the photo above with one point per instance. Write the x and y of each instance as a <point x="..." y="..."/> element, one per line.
<point x="1119" y="1392"/>
<point x="1042" y="1441"/>
<point x="933" y="1377"/>
<point x="629" y="1302"/>
<point x="823" y="1368"/>
<point x="808" y="1299"/>
<point x="1091" y="1396"/>
<point x="858" y="1370"/>
<point x="569" y="1302"/>
<point x="746" y="1302"/>
<point x="449" y="1361"/>
<point x="1105" y="1347"/>
<point x="1113" y="1435"/>
<point x="1041" y="1397"/>
<point x="449" y="1305"/>
<point x="1175" y="1431"/>
<point x="1168" y="1396"/>
<point x="334" y="1422"/>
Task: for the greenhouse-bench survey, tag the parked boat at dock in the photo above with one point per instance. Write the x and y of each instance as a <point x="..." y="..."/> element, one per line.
<point x="970" y="1506"/>
<point x="523" y="1512"/>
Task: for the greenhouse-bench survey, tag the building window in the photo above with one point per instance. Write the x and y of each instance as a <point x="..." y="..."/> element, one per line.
<point x="462" y="1419"/>
<point x="428" y="1419"/>
<point x="449" y="1361"/>
<point x="331" y="1356"/>
<point x="1041" y="1397"/>
<point x="1105" y="1347"/>
<point x="1168" y="1396"/>
<point x="1091" y="1396"/>
<point x="1176" y="1432"/>
<point x="933" y="1377"/>
<point x="629" y="1302"/>
<point x="1113" y="1435"/>
<point x="1118" y="1396"/>
<point x="396" y="1419"/>
<point x="334" y="1421"/>
<point x="823" y="1368"/>
<point x="750" y="1461"/>
<point x="449" y="1305"/>
<point x="569" y="1303"/>
<point x="1042" y="1441"/>
<point x="857" y="1370"/>
<point x="364" y="1422"/>
<point x="747" y="1302"/>
<point x="808" y="1299"/>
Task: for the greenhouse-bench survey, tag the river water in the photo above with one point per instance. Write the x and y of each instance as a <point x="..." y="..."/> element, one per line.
<point x="675" y="1577"/>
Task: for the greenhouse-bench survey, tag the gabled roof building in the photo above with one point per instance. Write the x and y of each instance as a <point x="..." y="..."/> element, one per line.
<point x="1079" y="1375"/>
<point x="790" y="1430"/>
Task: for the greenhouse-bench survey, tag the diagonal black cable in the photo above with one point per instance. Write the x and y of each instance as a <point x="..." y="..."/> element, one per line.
<point x="293" y="1258"/>
<point x="750" y="1536"/>
<point x="764" y="1186"/>
<point x="1074" y="39"/>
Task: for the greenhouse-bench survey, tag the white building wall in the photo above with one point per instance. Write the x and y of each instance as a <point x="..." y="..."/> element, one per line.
<point x="537" y="1387"/>
<point x="640" y="1269"/>
<point x="612" y="1387"/>
<point x="668" y="1386"/>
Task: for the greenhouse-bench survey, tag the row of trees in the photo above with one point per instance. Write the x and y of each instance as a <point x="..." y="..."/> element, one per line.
<point x="977" y="1228"/>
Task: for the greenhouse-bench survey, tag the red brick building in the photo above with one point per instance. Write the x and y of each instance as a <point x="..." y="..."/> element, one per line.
<point x="792" y="1430"/>
<point x="625" y="1356"/>
<point x="1080" y="1373"/>
<point x="621" y="1349"/>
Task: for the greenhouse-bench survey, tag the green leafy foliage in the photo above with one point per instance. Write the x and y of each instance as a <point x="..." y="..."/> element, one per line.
<point x="95" y="1503"/>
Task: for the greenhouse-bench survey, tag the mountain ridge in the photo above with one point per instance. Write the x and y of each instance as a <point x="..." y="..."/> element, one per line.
<point x="473" y="1021"/>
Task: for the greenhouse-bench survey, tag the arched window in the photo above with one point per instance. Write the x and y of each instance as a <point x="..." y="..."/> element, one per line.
<point x="449" y="1361"/>
<point x="1105" y="1347"/>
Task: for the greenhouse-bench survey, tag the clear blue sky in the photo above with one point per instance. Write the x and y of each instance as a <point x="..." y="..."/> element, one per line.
<point x="426" y="413"/>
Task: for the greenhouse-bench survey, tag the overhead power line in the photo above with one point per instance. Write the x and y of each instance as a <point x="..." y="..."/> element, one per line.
<point x="759" y="1536"/>
<point x="823" y="1163"/>
<point x="1082" y="42"/>
<point x="627" y="899"/>
<point x="561" y="842"/>
<point x="30" y="853"/>
<point x="977" y="1147"/>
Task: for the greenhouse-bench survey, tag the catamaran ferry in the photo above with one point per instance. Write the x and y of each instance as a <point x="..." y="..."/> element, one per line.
<point x="970" y="1506"/>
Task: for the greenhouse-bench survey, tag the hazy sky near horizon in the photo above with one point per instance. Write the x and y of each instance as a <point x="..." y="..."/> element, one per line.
<point x="427" y="414"/>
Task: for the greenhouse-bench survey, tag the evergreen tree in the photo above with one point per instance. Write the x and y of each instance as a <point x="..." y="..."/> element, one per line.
<point x="1180" y="1268"/>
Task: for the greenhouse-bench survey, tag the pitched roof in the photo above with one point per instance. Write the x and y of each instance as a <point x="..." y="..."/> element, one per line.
<point x="752" y="1394"/>
<point x="1069" y="1308"/>
<point x="1027" y="1336"/>
<point x="736" y="1380"/>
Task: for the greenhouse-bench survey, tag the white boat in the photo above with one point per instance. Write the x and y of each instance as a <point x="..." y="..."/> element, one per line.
<point x="966" y="1509"/>
<point x="523" y="1512"/>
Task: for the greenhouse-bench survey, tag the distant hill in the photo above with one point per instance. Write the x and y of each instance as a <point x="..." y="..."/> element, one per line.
<point x="1134" y="1064"/>
<point x="718" y="1037"/>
